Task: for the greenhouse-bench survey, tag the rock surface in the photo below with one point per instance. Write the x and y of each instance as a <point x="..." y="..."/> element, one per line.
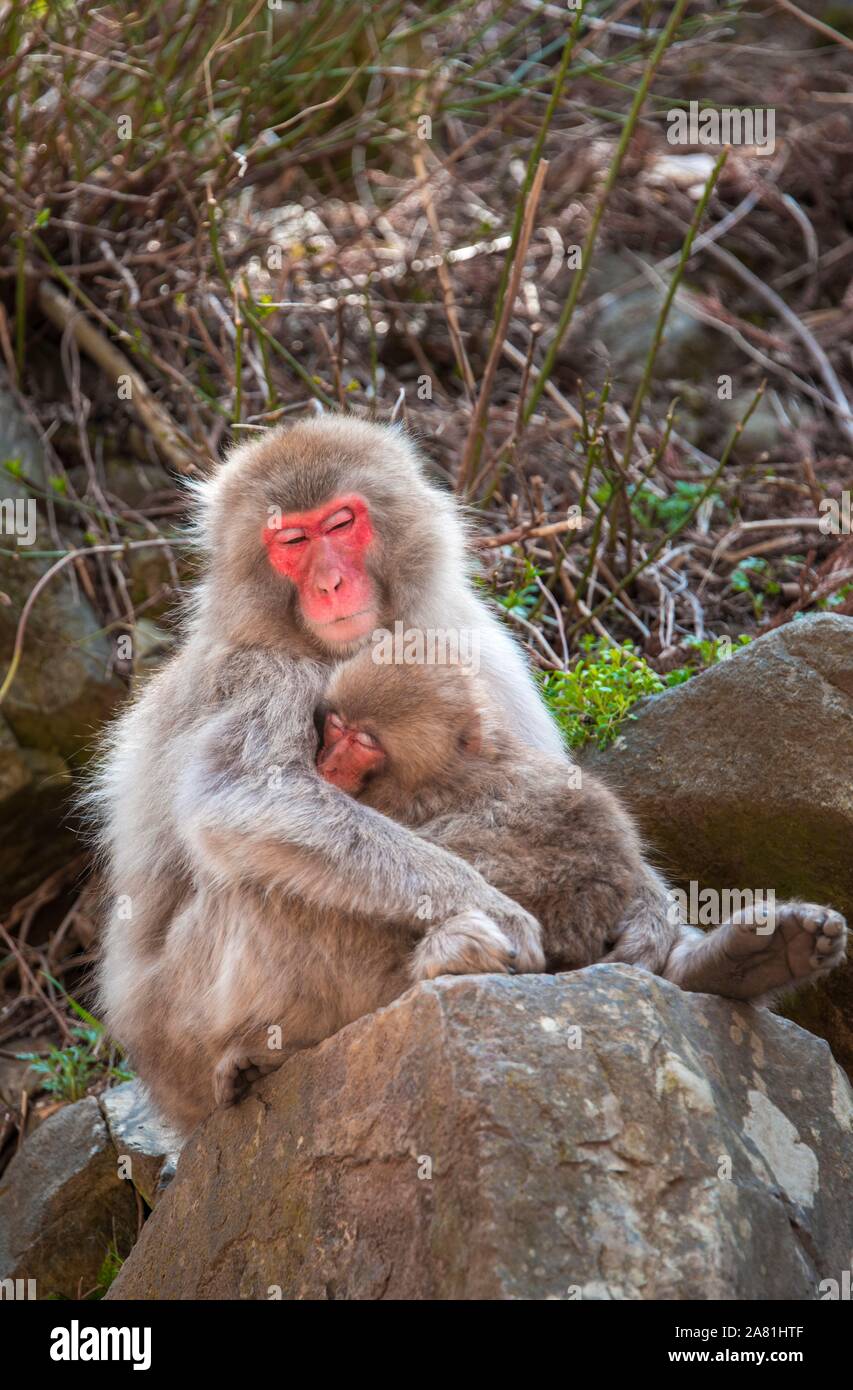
<point x="67" y="1198"/>
<point x="468" y="1142"/>
<point x="147" y="1149"/>
<point x="743" y="778"/>
<point x="63" y="691"/>
<point x="62" y="1204"/>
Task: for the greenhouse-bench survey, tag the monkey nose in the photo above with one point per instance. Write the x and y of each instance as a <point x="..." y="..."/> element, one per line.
<point x="329" y="581"/>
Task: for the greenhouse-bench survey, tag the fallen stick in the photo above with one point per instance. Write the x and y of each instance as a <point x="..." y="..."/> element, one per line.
<point x="774" y="547"/>
<point x="176" y="448"/>
<point x="523" y="533"/>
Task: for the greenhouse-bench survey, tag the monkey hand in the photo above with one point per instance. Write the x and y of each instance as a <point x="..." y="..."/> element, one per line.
<point x="470" y="943"/>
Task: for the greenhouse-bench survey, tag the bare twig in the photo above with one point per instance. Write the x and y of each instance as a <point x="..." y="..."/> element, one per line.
<point x="476" y="432"/>
<point x="519" y="533"/>
<point x="44" y="581"/>
<point x="814" y="23"/>
<point x="176" y="448"/>
<point x="450" y="309"/>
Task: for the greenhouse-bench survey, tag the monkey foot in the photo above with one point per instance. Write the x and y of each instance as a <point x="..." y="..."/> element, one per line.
<point x="469" y="944"/>
<point x="236" y="1073"/>
<point x="746" y="958"/>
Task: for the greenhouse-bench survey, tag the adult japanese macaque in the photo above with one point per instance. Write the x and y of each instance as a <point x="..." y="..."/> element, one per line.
<point x="251" y="903"/>
<point x="426" y="745"/>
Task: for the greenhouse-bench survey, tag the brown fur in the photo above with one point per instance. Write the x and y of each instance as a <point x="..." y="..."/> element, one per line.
<point x="570" y="854"/>
<point x="449" y="763"/>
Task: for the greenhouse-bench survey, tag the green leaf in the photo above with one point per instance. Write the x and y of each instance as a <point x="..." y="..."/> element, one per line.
<point x="78" y="1008"/>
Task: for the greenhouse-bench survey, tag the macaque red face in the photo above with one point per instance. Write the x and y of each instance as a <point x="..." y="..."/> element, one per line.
<point x="349" y="755"/>
<point x="323" y="553"/>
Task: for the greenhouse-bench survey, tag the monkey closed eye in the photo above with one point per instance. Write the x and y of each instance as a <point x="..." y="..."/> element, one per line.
<point x="348" y="755"/>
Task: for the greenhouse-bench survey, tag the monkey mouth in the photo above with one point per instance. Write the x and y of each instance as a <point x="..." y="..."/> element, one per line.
<point x="341" y="629"/>
<point x="347" y="618"/>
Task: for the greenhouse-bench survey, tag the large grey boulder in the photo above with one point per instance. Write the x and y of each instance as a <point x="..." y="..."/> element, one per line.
<point x="743" y="778"/>
<point x="597" y="1135"/>
<point x="67" y="1200"/>
<point x="62" y="1205"/>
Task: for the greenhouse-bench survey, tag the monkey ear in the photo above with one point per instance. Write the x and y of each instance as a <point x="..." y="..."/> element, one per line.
<point x="471" y="736"/>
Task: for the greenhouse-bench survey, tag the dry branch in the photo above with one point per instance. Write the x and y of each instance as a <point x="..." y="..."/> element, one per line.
<point x="176" y="448"/>
<point x="474" y="442"/>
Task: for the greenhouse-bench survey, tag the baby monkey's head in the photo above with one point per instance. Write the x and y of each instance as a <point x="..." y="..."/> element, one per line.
<point x="413" y="726"/>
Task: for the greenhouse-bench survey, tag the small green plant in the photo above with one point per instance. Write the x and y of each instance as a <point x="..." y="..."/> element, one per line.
<point x="671" y="511"/>
<point x="524" y="596"/>
<point x="69" y="1071"/>
<point x="835" y="600"/>
<point x="592" y="699"/>
<point x="752" y="577"/>
<point x="109" y="1270"/>
<point x="711" y="650"/>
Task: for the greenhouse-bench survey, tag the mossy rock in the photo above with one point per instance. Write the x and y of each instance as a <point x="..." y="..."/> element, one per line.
<point x="64" y="689"/>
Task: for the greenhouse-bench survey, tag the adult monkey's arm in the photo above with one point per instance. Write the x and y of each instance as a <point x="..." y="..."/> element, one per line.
<point x="295" y="833"/>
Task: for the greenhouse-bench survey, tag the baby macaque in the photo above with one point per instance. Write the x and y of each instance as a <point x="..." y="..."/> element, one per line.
<point x="425" y="746"/>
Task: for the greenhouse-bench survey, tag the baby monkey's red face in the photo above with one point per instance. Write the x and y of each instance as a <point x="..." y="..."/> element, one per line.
<point x="349" y="756"/>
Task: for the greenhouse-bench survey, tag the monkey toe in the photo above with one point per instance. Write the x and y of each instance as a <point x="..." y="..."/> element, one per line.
<point x="232" y="1078"/>
<point x="815" y="938"/>
<point x="797" y="943"/>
